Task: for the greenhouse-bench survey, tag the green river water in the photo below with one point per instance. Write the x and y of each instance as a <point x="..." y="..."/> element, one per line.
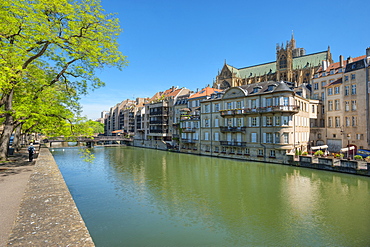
<point x="142" y="197"/>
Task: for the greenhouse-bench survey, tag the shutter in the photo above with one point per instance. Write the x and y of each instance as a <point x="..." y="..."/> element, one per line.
<point x="258" y="121"/>
<point x="264" y="102"/>
<point x="257" y="103"/>
<point x="264" y="121"/>
<point x="239" y="137"/>
<point x="264" y="137"/>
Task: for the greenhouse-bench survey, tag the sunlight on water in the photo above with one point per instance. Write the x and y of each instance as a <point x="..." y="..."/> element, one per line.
<point x="142" y="197"/>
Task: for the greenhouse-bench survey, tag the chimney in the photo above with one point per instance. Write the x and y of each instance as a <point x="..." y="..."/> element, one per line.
<point x="368" y="52"/>
<point x="341" y="61"/>
<point x="324" y="65"/>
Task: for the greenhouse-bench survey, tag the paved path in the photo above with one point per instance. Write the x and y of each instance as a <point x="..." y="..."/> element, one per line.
<point x="14" y="176"/>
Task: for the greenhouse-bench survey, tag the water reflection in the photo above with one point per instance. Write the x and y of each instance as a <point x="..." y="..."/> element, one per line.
<point x="158" y="198"/>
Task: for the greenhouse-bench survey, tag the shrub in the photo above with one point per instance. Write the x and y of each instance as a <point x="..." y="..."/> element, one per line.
<point x="367" y="159"/>
<point x="319" y="153"/>
<point x="304" y="153"/>
<point x="358" y="157"/>
<point x="339" y="155"/>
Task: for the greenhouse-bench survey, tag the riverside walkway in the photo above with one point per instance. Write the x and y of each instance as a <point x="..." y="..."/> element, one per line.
<point x="36" y="206"/>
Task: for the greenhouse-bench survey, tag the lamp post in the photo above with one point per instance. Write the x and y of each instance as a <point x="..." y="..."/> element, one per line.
<point x="348" y="155"/>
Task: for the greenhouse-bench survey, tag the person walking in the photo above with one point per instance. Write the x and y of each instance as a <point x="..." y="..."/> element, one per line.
<point x="31" y="151"/>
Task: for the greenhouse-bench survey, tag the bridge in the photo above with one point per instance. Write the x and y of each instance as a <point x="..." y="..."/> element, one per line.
<point x="90" y="141"/>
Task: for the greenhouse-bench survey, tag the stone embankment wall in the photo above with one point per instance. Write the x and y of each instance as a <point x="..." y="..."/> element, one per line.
<point x="48" y="215"/>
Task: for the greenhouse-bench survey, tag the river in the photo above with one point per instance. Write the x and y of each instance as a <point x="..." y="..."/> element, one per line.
<point x="142" y="197"/>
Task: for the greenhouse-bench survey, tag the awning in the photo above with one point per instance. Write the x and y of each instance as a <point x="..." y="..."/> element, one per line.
<point x="117" y="131"/>
<point x="346" y="149"/>
<point x="320" y="147"/>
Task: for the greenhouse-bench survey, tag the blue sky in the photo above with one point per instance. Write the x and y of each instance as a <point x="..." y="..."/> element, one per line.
<point x="185" y="43"/>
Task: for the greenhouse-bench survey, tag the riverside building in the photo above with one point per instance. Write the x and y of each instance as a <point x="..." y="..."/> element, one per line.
<point x="262" y="121"/>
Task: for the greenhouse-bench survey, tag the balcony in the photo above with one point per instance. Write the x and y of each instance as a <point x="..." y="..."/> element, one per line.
<point x="158" y="113"/>
<point x="189" y="117"/>
<point x="273" y="109"/>
<point x="233" y="129"/>
<point x="188" y="130"/>
<point x="157" y="122"/>
<point x="233" y="143"/>
<point x="189" y="141"/>
<point x="160" y="131"/>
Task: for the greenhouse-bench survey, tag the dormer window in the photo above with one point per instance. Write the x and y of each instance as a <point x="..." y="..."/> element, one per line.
<point x="323" y="73"/>
<point x="270" y="87"/>
<point x="340" y="70"/>
<point x="255" y="90"/>
<point x="316" y="75"/>
<point x="332" y="72"/>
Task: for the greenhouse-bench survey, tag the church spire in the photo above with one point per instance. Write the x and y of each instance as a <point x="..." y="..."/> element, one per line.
<point x="292" y="41"/>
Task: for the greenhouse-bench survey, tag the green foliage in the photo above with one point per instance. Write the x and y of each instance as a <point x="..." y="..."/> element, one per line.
<point x="86" y="155"/>
<point x="319" y="153"/>
<point x="358" y="157"/>
<point x="304" y="153"/>
<point x="50" y="50"/>
<point x="339" y="155"/>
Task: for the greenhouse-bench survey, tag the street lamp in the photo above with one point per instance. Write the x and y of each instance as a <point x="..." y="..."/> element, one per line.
<point x="349" y="138"/>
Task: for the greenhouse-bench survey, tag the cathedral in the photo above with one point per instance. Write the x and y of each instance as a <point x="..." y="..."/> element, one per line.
<point x="292" y="64"/>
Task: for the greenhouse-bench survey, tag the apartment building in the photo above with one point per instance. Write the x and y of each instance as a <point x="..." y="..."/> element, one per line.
<point x="190" y="120"/>
<point x="343" y="106"/>
<point x="159" y="117"/>
<point x="261" y="121"/>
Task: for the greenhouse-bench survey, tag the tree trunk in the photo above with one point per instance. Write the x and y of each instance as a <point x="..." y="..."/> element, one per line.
<point x="17" y="138"/>
<point x="8" y="125"/>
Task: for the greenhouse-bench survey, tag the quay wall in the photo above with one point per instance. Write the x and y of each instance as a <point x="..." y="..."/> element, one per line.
<point x="48" y="215"/>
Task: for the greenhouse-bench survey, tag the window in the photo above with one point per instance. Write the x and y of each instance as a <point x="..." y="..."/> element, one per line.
<point x="313" y="109"/>
<point x="354" y="106"/>
<point x="217" y="107"/>
<point x="346" y="90"/>
<point x="285" y="120"/>
<point x="247" y="151"/>
<point x="216" y="122"/>
<point x="323" y="96"/>
<point x="337" y="122"/>
<point x="330" y="105"/>
<point x="340" y="70"/>
<point x="253" y="103"/>
<point x="337" y="105"/>
<point x="347" y="106"/>
<point x="330" y="122"/>
<point x="272" y="153"/>
<point x="268" y="137"/>
<point x="286" y="101"/>
<point x="228" y="105"/>
<point x="254" y="121"/>
<point x="316" y="86"/>
<point x="253" y="137"/>
<point x="206" y="108"/>
<point x="238" y="104"/>
<point x="346" y="78"/>
<point x="353" y="89"/>
<point x="323" y="83"/>
<point x="277" y="137"/>
<point x="283" y="62"/>
<point x="277" y="120"/>
<point x="353" y="76"/>
<point x="354" y="121"/>
<point x="269" y="121"/>
<point x="269" y="102"/>
<point x="336" y="90"/>
<point x="332" y="72"/>
<point x="330" y="91"/>
<point x="348" y="122"/>
<point x="255" y="90"/>
<point x="260" y="152"/>
<point x="217" y="138"/>
<point x="206" y="122"/>
<point x="206" y="136"/>
<point x="285" y="138"/>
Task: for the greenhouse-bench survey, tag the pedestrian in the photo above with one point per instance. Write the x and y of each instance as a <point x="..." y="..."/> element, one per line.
<point x="31" y="151"/>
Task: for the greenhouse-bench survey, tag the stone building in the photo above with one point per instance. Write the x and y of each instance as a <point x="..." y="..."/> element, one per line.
<point x="343" y="92"/>
<point x="292" y="64"/>
<point x="262" y="121"/>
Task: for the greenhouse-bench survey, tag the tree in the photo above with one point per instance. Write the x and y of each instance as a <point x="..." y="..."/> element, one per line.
<point x="70" y="39"/>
